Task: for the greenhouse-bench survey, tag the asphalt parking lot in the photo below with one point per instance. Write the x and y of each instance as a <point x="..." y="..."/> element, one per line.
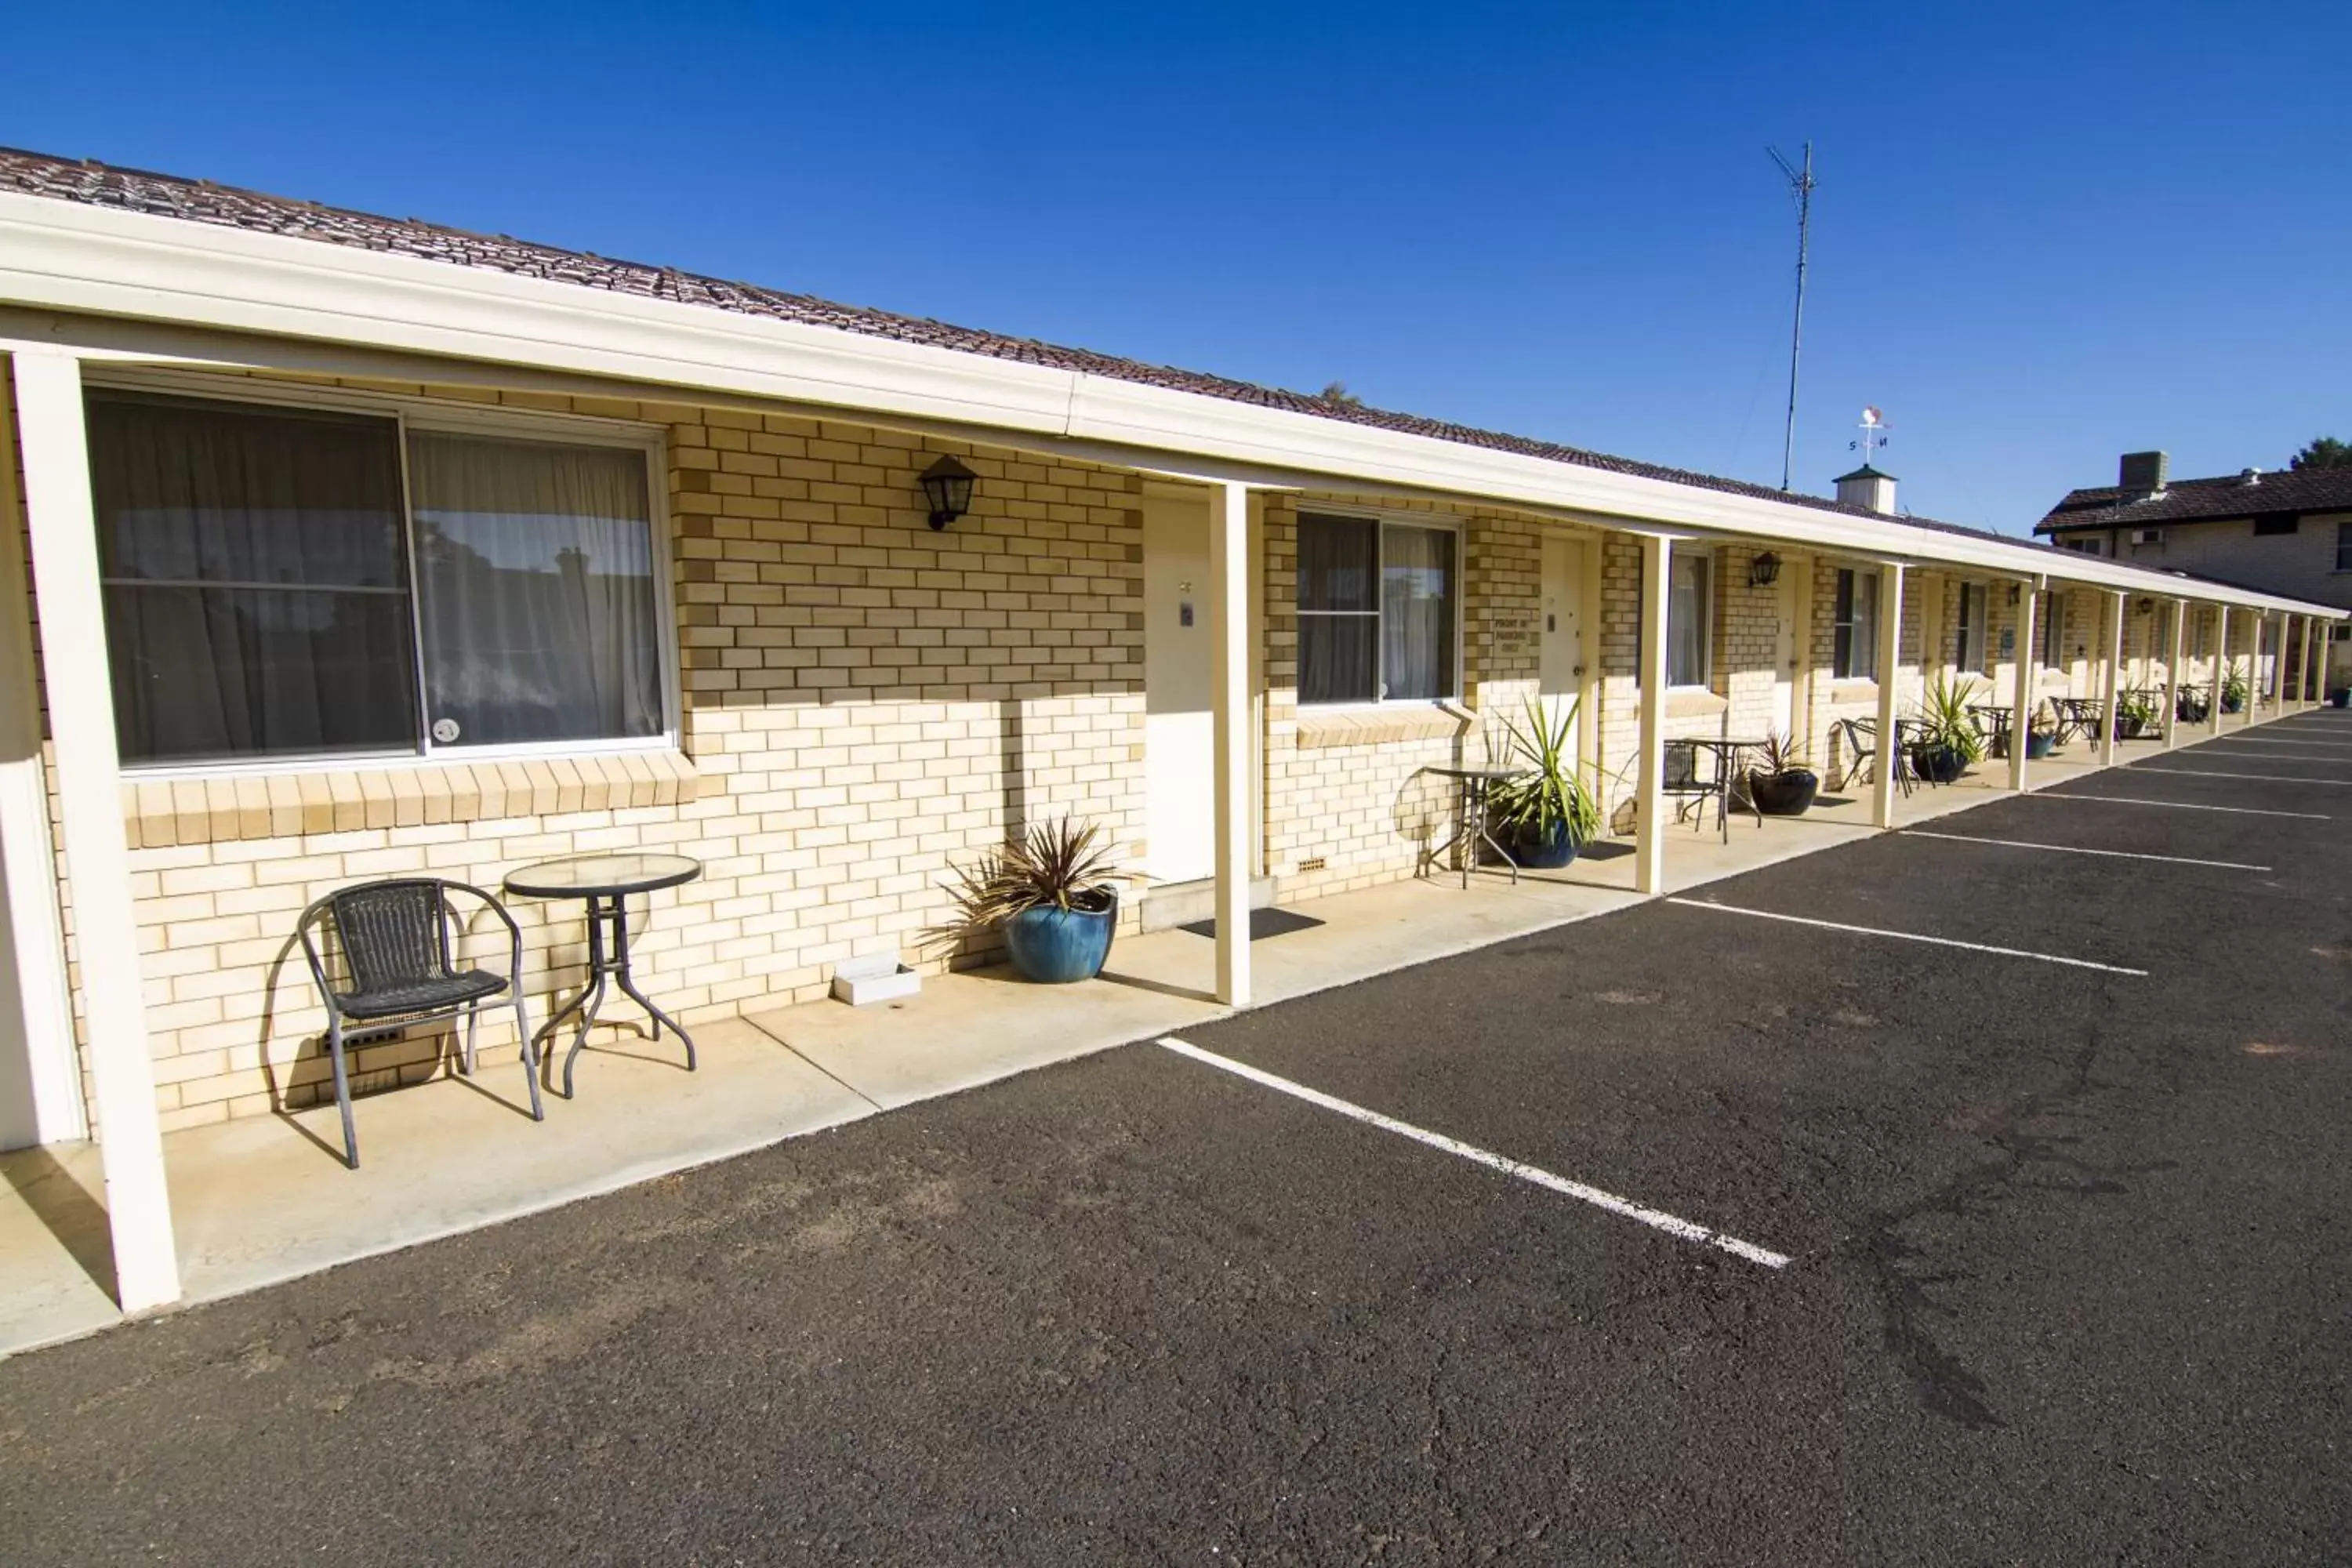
<point x="2065" y="1279"/>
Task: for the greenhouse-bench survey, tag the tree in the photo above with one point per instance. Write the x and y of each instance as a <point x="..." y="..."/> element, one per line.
<point x="1337" y="393"/>
<point x="2326" y="452"/>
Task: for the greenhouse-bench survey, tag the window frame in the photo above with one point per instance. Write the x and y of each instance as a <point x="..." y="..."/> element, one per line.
<point x="1706" y="559"/>
<point x="409" y="414"/>
<point x="1381" y="521"/>
<point x="2053" y="627"/>
<point x="1843" y="586"/>
<point x="1978" y="628"/>
<point x="2344" y="544"/>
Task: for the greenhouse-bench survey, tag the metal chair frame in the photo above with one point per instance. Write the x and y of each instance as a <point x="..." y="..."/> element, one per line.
<point x="1861" y="750"/>
<point x="392" y="971"/>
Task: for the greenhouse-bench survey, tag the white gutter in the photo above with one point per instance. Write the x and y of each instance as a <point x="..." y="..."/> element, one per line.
<point x="65" y="256"/>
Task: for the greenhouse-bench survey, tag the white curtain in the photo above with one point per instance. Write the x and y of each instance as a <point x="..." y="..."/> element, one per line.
<point x="1417" y="614"/>
<point x="536" y="590"/>
<point x="1686" y="622"/>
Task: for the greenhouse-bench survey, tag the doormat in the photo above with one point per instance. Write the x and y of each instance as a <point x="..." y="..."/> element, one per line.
<point x="1263" y="923"/>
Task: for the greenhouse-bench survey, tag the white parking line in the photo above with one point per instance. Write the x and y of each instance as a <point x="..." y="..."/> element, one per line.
<point x="2284" y="740"/>
<point x="2078" y="849"/>
<point x="2258" y="778"/>
<point x="2179" y="806"/>
<point x="1656" y="1219"/>
<point x="1908" y="936"/>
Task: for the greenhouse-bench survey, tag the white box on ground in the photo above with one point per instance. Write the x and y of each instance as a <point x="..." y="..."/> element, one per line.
<point x="862" y="982"/>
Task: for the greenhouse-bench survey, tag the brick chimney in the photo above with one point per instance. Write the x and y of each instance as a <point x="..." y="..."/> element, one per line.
<point x="2140" y="475"/>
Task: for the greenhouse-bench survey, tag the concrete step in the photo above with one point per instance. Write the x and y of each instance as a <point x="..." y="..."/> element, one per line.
<point x="1174" y="904"/>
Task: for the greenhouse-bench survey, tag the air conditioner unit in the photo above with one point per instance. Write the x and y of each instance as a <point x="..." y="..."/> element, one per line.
<point x="2148" y="536"/>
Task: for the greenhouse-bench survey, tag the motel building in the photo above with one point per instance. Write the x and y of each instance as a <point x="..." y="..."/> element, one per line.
<point x="349" y="548"/>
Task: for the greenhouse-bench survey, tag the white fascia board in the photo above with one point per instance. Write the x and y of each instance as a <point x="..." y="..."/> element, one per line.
<point x="68" y="256"/>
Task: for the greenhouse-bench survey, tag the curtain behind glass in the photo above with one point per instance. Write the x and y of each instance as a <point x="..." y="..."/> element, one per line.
<point x="1417" y="614"/>
<point x="535" y="585"/>
<point x="255" y="590"/>
<point x="1338" y="623"/>
<point x="1686" y="622"/>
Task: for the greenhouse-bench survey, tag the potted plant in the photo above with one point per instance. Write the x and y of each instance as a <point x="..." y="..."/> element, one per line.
<point x="2041" y="732"/>
<point x="1547" y="814"/>
<point x="1052" y="891"/>
<point x="2341" y="697"/>
<point x="1780" y="784"/>
<point x="2233" y="690"/>
<point x="2135" y="712"/>
<point x="1948" y="742"/>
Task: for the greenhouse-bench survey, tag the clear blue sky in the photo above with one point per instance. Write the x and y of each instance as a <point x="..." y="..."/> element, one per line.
<point x="2045" y="233"/>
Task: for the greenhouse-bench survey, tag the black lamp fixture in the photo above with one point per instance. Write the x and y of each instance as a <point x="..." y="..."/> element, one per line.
<point x="948" y="485"/>
<point x="1764" y="571"/>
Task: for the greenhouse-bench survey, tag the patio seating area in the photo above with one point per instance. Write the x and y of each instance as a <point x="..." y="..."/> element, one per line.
<point x="260" y="1200"/>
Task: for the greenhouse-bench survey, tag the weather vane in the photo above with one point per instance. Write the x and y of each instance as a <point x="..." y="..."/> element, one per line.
<point x="1874" y="434"/>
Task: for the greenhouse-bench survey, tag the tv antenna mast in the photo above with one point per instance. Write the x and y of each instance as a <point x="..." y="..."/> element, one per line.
<point x="1801" y="186"/>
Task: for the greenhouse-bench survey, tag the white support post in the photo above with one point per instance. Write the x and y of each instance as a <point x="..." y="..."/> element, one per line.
<point x="2220" y="668"/>
<point x="2020" y="714"/>
<point x="2172" y="677"/>
<point x="45" y="1104"/>
<point x="2112" y="682"/>
<point x="1229" y="666"/>
<point x="2285" y="624"/>
<point x="1650" y="801"/>
<point x="82" y="726"/>
<point x="1890" y="675"/>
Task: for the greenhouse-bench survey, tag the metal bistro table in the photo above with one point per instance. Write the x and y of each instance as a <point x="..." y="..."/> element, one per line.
<point x="1471" y="788"/>
<point x="605" y="882"/>
<point x="1730" y="779"/>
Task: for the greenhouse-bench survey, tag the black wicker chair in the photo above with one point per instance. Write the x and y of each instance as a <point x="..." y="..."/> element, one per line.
<point x="394" y="937"/>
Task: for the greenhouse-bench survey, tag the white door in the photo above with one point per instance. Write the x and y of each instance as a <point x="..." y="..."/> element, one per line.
<point x="1179" y="764"/>
<point x="1560" y="636"/>
<point x="1784" y="655"/>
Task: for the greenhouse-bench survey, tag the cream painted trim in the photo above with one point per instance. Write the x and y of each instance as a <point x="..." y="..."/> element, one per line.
<point x="61" y="255"/>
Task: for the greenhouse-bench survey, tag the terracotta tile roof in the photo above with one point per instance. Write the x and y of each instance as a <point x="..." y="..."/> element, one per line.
<point x="201" y="201"/>
<point x="2196" y="500"/>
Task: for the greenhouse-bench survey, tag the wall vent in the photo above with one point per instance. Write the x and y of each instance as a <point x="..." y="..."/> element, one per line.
<point x="1315" y="865"/>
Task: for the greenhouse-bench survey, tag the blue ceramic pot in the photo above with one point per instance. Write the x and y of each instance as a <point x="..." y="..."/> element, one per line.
<point x="1054" y="946"/>
<point x="2038" y="746"/>
<point x="1546" y="848"/>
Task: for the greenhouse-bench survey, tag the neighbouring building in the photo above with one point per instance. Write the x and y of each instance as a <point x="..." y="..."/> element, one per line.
<point x="2284" y="532"/>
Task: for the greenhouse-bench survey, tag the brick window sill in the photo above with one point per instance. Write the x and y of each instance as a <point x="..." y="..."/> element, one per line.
<point x="1374" y="727"/>
<point x="1852" y="690"/>
<point x="1694" y="703"/>
<point x="161" y="812"/>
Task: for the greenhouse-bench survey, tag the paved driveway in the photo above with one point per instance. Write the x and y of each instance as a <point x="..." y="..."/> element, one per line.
<point x="2066" y="1271"/>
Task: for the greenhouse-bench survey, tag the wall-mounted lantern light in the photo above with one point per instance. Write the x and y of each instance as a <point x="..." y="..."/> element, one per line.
<point x="948" y="485"/>
<point x="2013" y="593"/>
<point x="1764" y="571"/>
<point x="2147" y="606"/>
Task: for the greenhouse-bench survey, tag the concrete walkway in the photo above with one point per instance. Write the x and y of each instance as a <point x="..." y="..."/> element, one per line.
<point x="265" y="1199"/>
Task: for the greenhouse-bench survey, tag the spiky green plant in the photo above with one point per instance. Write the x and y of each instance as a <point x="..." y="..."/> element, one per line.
<point x="1550" y="792"/>
<point x="2233" y="688"/>
<point x="1064" y="863"/>
<point x="1779" y="754"/>
<point x="1944" y="717"/>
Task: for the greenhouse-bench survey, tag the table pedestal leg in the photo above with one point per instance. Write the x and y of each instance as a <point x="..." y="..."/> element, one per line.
<point x="609" y="959"/>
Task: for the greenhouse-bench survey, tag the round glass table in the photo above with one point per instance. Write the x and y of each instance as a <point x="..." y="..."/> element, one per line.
<point x="606" y="883"/>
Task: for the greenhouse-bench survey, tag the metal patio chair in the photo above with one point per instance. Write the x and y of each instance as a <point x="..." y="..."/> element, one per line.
<point x="1859" y="737"/>
<point x="1690" y="784"/>
<point x="393" y="937"/>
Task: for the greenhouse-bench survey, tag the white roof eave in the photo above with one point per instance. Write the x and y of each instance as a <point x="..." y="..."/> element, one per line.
<point x="62" y="256"/>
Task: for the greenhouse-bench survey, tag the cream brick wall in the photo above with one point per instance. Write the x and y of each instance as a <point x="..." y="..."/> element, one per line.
<point x="863" y="698"/>
<point x="1347" y="802"/>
